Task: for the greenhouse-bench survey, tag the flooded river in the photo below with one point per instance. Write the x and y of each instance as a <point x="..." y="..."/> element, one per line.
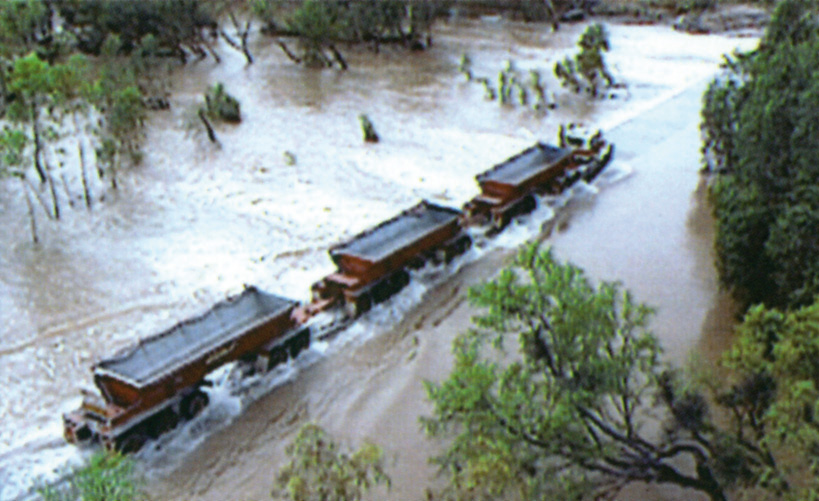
<point x="196" y="221"/>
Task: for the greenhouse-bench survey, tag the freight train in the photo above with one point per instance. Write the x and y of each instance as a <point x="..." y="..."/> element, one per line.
<point x="149" y="388"/>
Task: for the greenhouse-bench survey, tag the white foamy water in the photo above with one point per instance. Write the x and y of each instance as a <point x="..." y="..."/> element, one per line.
<point x="196" y="221"/>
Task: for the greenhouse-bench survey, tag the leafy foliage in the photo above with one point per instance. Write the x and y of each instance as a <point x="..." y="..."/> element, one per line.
<point x="781" y="348"/>
<point x="587" y="71"/>
<point x="760" y="137"/>
<point x="107" y="477"/>
<point x="219" y="104"/>
<point x="319" y="470"/>
<point x="565" y="417"/>
<point x="176" y="25"/>
<point x="320" y="24"/>
<point x="23" y="25"/>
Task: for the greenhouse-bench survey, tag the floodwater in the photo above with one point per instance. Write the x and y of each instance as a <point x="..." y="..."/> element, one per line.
<point x="197" y="221"/>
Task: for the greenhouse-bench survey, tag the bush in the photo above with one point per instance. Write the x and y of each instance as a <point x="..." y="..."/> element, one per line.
<point x="320" y="469"/>
<point x="587" y="71"/>
<point x="107" y="477"/>
<point x="221" y="105"/>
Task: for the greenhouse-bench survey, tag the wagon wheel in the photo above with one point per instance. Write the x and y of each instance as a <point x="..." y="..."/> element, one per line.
<point x="166" y="421"/>
<point x="132" y="442"/>
<point x="193" y="404"/>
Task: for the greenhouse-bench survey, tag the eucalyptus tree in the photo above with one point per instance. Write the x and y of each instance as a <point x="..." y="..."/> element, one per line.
<point x="180" y="27"/>
<point x="569" y="414"/>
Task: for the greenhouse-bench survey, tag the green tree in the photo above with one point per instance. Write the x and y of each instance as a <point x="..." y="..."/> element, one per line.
<point x="760" y="139"/>
<point x="782" y="348"/>
<point x="107" y="476"/>
<point x="24" y="24"/>
<point x="13" y="143"/>
<point x="180" y="27"/>
<point x="567" y="415"/>
<point x="319" y="469"/>
<point x="39" y="89"/>
<point x="587" y="71"/>
<point x="320" y="25"/>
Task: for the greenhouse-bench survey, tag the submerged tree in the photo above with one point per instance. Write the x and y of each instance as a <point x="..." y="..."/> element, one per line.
<point x="180" y="27"/>
<point x="368" y="129"/>
<point x="319" y="469"/>
<point x="567" y="416"/>
<point x="319" y="25"/>
<point x="587" y="71"/>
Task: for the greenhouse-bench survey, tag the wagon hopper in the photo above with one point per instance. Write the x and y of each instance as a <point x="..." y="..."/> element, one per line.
<point x="508" y="189"/>
<point x="148" y="388"/>
<point x="373" y="265"/>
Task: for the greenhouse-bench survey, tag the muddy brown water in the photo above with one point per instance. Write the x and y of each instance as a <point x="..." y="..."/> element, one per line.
<point x="197" y="220"/>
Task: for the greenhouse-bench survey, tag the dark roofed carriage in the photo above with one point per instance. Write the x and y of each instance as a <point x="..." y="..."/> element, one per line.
<point x="149" y="386"/>
<point x="372" y="265"/>
<point x="227" y="322"/>
<point x="508" y="188"/>
<point x="401" y="233"/>
<point x="522" y="168"/>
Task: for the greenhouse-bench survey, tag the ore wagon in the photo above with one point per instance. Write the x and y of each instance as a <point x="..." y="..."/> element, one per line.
<point x="373" y="265"/>
<point x="148" y="388"/>
<point x="509" y="188"/>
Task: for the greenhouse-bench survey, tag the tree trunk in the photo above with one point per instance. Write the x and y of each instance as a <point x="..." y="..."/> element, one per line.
<point x="288" y="53"/>
<point x="55" y="204"/>
<point x="243" y="34"/>
<point x="86" y="192"/>
<point x="39" y="198"/>
<point x="114" y="161"/>
<point x="245" y="49"/>
<point x="33" y="222"/>
<point x="208" y="127"/>
<point x="83" y="169"/>
<point x="550" y="9"/>
<point x="35" y="128"/>
<point x="338" y="57"/>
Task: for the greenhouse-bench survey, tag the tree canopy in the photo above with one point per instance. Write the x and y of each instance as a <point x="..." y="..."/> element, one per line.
<point x="759" y="127"/>
<point x="777" y="351"/>
<point x="569" y="414"/>
<point x="320" y="469"/>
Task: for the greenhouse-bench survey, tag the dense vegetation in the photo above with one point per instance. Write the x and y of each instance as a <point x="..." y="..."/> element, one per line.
<point x="760" y="126"/>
